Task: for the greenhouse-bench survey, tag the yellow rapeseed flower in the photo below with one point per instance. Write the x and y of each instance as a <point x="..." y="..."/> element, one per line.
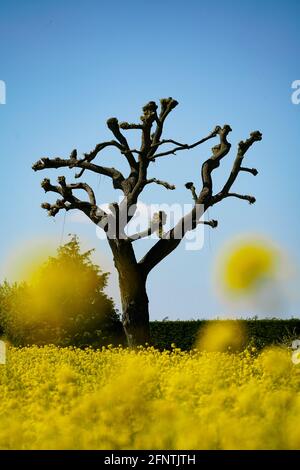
<point x="117" y="398"/>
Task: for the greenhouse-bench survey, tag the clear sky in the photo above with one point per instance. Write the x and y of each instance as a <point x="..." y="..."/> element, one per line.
<point x="69" y="65"/>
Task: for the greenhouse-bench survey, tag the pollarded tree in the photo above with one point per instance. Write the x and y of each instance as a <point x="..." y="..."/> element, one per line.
<point x="133" y="273"/>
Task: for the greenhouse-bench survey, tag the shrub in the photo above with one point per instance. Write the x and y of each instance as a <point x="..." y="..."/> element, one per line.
<point x="64" y="303"/>
<point x="258" y="333"/>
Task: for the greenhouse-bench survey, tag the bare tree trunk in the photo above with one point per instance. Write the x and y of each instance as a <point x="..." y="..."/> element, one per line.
<point x="135" y="311"/>
<point x="132" y="282"/>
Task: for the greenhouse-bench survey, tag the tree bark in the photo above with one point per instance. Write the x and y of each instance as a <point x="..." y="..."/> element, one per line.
<point x="135" y="312"/>
<point x="132" y="283"/>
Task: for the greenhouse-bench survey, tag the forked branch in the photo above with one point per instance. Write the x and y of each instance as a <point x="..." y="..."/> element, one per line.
<point x="171" y="240"/>
<point x="70" y="201"/>
<point x="151" y="128"/>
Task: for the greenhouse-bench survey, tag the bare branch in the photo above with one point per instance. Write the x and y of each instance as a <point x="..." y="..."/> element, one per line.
<point x="148" y="117"/>
<point x="114" y="127"/>
<point x="218" y="152"/>
<point x="184" y="146"/>
<point x="138" y="152"/>
<point x="242" y="149"/>
<point x="212" y="223"/>
<point x="250" y="199"/>
<point x="99" y="147"/>
<point x="86" y="188"/>
<point x="149" y="140"/>
<point x="156" y="226"/>
<point x="69" y="201"/>
<point x="126" y="126"/>
<point x="168" y="141"/>
<point x="47" y="186"/>
<point x="60" y="204"/>
<point x="66" y="189"/>
<point x="47" y="163"/>
<point x="170" y="240"/>
<point x="253" y="171"/>
<point x="162" y="183"/>
<point x="191" y="187"/>
<point x="88" y="157"/>
<point x="166" y="106"/>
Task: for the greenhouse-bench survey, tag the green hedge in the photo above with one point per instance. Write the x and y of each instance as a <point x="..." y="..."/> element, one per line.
<point x="260" y="333"/>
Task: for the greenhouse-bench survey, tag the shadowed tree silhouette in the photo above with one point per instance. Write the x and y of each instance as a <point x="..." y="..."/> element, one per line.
<point x="132" y="272"/>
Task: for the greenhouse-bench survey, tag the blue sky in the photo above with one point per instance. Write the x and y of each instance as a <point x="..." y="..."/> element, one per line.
<point x="69" y="65"/>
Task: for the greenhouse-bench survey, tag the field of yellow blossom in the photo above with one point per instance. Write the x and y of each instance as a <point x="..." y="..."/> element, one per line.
<point x="114" y="398"/>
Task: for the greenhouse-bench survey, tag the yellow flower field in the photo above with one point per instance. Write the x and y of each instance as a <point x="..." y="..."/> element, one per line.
<point x="118" y="398"/>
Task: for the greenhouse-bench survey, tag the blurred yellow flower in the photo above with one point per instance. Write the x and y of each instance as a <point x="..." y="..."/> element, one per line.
<point x="114" y="398"/>
<point x="246" y="264"/>
<point x="222" y="336"/>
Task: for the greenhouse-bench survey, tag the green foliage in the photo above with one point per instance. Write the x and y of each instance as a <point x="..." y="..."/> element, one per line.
<point x="260" y="333"/>
<point x="63" y="304"/>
